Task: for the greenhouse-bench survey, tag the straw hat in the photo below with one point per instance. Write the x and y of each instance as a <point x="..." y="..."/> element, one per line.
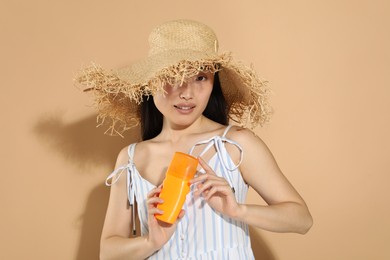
<point x="178" y="50"/>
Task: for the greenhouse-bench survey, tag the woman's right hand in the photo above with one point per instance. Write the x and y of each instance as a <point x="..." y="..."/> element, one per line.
<point x="159" y="231"/>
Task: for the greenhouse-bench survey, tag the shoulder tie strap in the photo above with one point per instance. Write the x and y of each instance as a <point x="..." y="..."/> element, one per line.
<point x="219" y="143"/>
<point x="116" y="174"/>
<point x="227" y="130"/>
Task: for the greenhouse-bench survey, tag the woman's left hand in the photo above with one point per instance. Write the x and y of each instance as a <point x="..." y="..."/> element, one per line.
<point x="216" y="191"/>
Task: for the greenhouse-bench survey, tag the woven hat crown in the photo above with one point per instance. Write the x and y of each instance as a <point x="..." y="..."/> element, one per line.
<point x="179" y="50"/>
<point x="182" y="35"/>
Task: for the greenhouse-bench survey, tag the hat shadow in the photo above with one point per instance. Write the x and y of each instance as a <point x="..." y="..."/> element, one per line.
<point x="82" y="144"/>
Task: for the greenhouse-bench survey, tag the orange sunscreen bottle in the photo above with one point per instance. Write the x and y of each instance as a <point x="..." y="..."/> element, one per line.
<point x="176" y="186"/>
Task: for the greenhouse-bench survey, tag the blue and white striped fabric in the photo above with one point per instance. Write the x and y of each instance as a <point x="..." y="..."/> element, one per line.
<point x="202" y="233"/>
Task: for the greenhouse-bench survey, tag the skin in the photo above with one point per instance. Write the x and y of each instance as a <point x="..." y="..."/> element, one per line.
<point x="183" y="126"/>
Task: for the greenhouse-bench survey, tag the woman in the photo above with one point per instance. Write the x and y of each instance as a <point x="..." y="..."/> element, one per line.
<point x="183" y="95"/>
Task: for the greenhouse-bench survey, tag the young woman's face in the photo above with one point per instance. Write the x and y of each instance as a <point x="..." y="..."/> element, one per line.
<point x="183" y="105"/>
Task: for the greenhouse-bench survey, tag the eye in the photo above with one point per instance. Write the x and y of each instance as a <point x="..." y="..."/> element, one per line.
<point x="201" y="78"/>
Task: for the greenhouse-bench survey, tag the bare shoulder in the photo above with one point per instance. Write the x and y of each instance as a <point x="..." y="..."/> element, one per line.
<point x="257" y="157"/>
<point x="123" y="156"/>
<point x="248" y="141"/>
<point x="246" y="138"/>
<point x="142" y="149"/>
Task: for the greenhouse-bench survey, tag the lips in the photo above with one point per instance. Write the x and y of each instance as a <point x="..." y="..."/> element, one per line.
<point x="184" y="107"/>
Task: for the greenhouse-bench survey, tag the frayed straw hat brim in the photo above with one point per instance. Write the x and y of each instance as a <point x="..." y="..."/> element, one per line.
<point x="118" y="93"/>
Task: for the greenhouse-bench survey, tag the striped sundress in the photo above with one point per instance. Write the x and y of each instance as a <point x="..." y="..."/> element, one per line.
<point x="202" y="233"/>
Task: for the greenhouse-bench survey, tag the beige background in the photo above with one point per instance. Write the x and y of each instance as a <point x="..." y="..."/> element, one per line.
<point x="328" y="63"/>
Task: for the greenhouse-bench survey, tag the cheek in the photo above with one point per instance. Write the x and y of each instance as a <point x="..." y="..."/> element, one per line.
<point x="158" y="101"/>
<point x="207" y="94"/>
<point x="161" y="101"/>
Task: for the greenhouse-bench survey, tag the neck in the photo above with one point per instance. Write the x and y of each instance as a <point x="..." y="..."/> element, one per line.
<point x="175" y="133"/>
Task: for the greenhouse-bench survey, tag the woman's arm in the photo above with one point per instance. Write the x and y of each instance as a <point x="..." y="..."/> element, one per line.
<point x="115" y="241"/>
<point x="286" y="210"/>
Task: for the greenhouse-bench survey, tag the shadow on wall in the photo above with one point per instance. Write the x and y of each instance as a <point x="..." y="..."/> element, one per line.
<point x="92" y="222"/>
<point x="82" y="144"/>
<point x="260" y="248"/>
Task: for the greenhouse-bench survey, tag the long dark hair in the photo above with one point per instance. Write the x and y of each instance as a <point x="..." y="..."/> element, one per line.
<point x="152" y="119"/>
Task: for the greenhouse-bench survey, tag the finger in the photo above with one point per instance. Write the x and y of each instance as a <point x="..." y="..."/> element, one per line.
<point x="208" y="184"/>
<point x="225" y="190"/>
<point x="199" y="178"/>
<point x="203" y="177"/>
<point x="154" y="192"/>
<point x="154" y="200"/>
<point x="155" y="211"/>
<point x="210" y="193"/>
<point x="204" y="188"/>
<point x="181" y="214"/>
<point x="205" y="166"/>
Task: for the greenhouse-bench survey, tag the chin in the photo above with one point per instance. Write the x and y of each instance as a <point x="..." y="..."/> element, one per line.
<point x="181" y="124"/>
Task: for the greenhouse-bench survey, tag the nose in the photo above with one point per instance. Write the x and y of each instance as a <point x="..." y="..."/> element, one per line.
<point x="185" y="91"/>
